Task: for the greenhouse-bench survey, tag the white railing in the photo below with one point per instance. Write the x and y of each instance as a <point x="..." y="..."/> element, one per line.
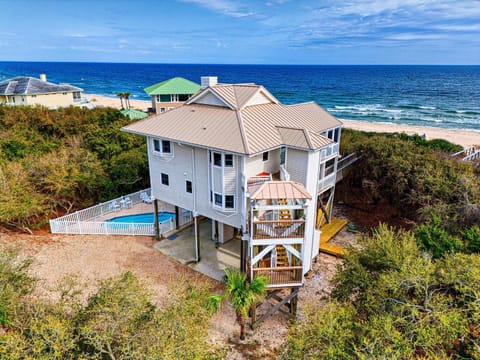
<point x="329" y="151"/>
<point x="284" y="175"/>
<point x="103" y="208"/>
<point x="326" y="182"/>
<point x="346" y="161"/>
<point x="472" y="156"/>
<point x="83" y="221"/>
<point x="467" y="151"/>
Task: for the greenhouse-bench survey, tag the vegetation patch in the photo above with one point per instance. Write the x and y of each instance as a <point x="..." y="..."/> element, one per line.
<point x="56" y="161"/>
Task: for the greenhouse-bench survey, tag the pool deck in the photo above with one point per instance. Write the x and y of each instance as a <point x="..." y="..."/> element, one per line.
<point x="140" y="208"/>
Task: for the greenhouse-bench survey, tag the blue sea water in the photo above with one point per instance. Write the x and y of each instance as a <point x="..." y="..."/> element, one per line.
<point x="438" y="96"/>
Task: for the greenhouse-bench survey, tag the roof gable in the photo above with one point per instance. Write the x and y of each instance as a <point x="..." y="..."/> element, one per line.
<point x="210" y="98"/>
<point x="242" y="118"/>
<point x="176" y="85"/>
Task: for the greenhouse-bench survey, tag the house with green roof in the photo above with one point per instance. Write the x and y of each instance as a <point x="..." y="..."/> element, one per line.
<point x="171" y="93"/>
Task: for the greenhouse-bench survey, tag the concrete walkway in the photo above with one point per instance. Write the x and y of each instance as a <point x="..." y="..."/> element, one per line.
<point x="213" y="261"/>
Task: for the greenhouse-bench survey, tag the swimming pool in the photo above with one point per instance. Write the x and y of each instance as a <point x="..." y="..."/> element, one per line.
<point x="146" y="218"/>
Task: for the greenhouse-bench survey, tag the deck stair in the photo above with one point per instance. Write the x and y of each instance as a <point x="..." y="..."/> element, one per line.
<point x="328" y="232"/>
<point x="284" y="214"/>
<point x="282" y="258"/>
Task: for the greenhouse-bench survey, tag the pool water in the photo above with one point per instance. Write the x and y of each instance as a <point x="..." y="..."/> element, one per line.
<point x="146" y="218"/>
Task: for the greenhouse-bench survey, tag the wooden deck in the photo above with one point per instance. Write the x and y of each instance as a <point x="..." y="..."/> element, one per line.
<point x="328" y="232"/>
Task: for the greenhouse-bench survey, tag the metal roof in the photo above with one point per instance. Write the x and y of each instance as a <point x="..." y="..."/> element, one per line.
<point x="281" y="190"/>
<point x="242" y="127"/>
<point x="32" y="86"/>
<point x="134" y="114"/>
<point x="176" y="85"/>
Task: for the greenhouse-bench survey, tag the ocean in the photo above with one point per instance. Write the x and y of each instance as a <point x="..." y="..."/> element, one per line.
<point x="436" y="96"/>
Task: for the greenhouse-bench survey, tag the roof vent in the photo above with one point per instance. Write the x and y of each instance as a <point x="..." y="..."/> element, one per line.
<point x="43" y="77"/>
<point x="207" y="81"/>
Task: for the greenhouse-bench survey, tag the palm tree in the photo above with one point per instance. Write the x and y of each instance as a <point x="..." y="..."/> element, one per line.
<point x="243" y="295"/>
<point x="126" y="96"/>
<point x="120" y="95"/>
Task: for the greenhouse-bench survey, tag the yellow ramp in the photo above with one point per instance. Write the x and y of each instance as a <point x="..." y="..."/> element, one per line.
<point x="328" y="232"/>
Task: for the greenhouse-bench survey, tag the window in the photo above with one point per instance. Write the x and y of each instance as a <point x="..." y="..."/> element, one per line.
<point x="188" y="186"/>
<point x="265" y="156"/>
<point x="165" y="180"/>
<point x="217" y="159"/>
<point x="162" y="110"/>
<point x="64" y="93"/>
<point x="156" y="145"/>
<point x="330" y="134"/>
<point x="183" y="97"/>
<point x="218" y="199"/>
<point x="228" y="160"/>
<point x="163" y="98"/>
<point x="283" y="156"/>
<point x="162" y="147"/>
<point x="166" y="149"/>
<point x="76" y="95"/>
<point x="229" y="202"/>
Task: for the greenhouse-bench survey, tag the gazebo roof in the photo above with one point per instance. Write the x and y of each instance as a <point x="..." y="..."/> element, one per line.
<point x="134" y="114"/>
<point x="271" y="190"/>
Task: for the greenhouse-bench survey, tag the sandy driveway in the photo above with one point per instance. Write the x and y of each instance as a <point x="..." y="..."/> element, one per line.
<point x="91" y="257"/>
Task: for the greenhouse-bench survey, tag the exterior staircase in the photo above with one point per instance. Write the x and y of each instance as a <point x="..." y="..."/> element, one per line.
<point x="284" y="214"/>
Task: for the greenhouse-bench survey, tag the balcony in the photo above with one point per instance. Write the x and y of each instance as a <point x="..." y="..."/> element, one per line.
<point x="326" y="182"/>
<point x="278" y="229"/>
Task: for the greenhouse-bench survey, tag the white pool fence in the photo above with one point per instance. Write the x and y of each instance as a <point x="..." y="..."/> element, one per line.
<point x="92" y="220"/>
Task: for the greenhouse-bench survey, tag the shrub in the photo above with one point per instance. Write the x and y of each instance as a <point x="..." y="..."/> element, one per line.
<point x="434" y="239"/>
<point x="471" y="237"/>
<point x="404" y="306"/>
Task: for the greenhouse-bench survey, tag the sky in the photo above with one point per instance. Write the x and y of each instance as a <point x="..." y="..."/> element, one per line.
<point x="242" y="31"/>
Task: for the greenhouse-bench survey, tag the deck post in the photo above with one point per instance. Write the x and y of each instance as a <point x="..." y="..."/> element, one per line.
<point x="293" y="303"/>
<point x="197" y="238"/>
<point x="155" y="220"/>
<point x="242" y="255"/>
<point x="177" y="220"/>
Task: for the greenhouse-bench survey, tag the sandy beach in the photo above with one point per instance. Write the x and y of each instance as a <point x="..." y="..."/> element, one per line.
<point x="101" y="100"/>
<point x="461" y="137"/>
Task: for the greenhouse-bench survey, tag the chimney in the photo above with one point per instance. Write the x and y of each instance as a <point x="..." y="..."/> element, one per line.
<point x="43" y="77"/>
<point x="207" y="81"/>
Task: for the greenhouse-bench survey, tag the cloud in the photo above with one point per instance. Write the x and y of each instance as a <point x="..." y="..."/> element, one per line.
<point x="226" y="7"/>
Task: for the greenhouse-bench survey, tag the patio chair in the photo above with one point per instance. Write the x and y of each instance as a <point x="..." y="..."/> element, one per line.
<point x="114" y="206"/>
<point x="128" y="202"/>
<point x="146" y="198"/>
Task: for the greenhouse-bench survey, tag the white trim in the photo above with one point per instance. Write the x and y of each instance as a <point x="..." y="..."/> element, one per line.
<point x="262" y="253"/>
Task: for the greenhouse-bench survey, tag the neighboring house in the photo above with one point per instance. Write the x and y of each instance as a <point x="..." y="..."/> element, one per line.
<point x="33" y="91"/>
<point x="255" y="167"/>
<point x="171" y="93"/>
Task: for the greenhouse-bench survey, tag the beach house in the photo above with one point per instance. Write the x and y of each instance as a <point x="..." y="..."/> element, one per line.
<point x="171" y="93"/>
<point x="24" y="91"/>
<point x="257" y="168"/>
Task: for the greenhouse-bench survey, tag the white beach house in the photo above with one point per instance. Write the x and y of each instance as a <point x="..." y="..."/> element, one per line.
<point x="255" y="167"/>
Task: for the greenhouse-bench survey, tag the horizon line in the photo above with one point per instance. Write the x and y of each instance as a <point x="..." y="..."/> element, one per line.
<point x="224" y="64"/>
